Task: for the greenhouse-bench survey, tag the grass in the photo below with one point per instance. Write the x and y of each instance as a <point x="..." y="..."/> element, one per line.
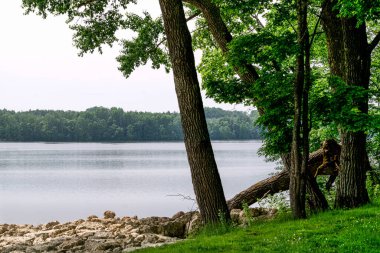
<point x="355" y="230"/>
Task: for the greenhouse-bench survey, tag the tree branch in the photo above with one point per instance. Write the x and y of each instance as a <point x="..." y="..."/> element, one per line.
<point x="256" y="17"/>
<point x="316" y="25"/>
<point x="374" y="42"/>
<point x="194" y="15"/>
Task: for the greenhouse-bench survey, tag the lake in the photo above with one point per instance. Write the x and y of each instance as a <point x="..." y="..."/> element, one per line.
<point x="42" y="182"/>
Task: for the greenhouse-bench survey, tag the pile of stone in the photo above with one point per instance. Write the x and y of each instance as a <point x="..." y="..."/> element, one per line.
<point x="107" y="234"/>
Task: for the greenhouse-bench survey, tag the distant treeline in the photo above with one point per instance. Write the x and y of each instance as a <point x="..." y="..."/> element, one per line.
<point x="99" y="124"/>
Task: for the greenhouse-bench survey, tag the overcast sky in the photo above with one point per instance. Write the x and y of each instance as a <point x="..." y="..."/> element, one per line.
<point x="40" y="69"/>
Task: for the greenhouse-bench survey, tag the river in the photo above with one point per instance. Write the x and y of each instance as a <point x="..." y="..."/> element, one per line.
<point x="42" y="182"/>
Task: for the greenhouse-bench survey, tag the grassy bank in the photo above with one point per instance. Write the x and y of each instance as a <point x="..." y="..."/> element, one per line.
<point x="356" y="230"/>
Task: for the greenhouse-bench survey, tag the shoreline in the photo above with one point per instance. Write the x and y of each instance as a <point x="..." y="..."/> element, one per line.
<point x="110" y="233"/>
<point x="107" y="234"/>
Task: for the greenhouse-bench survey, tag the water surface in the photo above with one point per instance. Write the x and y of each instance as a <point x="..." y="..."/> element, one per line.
<point x="41" y="182"/>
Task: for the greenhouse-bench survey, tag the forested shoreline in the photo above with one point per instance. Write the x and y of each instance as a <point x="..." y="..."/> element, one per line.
<point x="99" y="124"/>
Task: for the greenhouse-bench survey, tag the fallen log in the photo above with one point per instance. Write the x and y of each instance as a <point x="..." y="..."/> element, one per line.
<point x="271" y="185"/>
<point x="320" y="163"/>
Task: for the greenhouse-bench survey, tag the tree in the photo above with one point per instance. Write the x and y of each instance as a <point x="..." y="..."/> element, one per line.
<point x="100" y="21"/>
<point x="297" y="186"/>
<point x="350" y="60"/>
<point x="254" y="87"/>
<point x="350" y="120"/>
<point x="206" y="180"/>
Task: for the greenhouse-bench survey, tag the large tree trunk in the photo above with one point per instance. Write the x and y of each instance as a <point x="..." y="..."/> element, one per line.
<point x="349" y="59"/>
<point x="351" y="187"/>
<point x="205" y="176"/>
<point x="351" y="190"/>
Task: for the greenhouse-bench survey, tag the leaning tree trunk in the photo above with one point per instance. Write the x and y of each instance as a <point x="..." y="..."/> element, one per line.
<point x="271" y="185"/>
<point x="280" y="182"/>
<point x="275" y="184"/>
<point x="349" y="59"/>
<point x="205" y="176"/>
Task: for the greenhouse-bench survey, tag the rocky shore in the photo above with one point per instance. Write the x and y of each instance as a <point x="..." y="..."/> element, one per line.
<point x="107" y="234"/>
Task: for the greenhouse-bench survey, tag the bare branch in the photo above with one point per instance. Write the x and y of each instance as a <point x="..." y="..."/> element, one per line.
<point x="292" y="26"/>
<point x="314" y="32"/>
<point x="194" y="15"/>
<point x="256" y="17"/>
<point x="374" y="42"/>
<point x="184" y="197"/>
<point x="316" y="25"/>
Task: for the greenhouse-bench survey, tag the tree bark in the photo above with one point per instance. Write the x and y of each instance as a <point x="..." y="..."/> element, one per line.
<point x="351" y="190"/>
<point x="351" y="187"/>
<point x="316" y="199"/>
<point x="297" y="186"/>
<point x="205" y="176"/>
<point x="334" y="37"/>
<point x="350" y="60"/>
<point x="271" y="185"/>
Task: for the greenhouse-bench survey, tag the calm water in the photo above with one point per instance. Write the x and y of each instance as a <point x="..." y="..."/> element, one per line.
<point x="41" y="182"/>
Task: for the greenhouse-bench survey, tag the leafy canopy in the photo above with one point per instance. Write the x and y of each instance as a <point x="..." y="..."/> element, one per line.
<point x="104" y="22"/>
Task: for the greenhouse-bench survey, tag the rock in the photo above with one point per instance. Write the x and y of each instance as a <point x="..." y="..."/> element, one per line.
<point x="126" y="218"/>
<point x="194" y="224"/>
<point x="177" y="215"/>
<point x="12" y="248"/>
<point x="140" y="238"/>
<point x="239" y="216"/>
<point x="109" y="215"/>
<point x="174" y="229"/>
<point x="3" y="228"/>
<point x="49" y="246"/>
<point x="102" y="235"/>
<point x="85" y="234"/>
<point x="89" y="225"/>
<point x="235" y="214"/>
<point x="98" y="235"/>
<point x="109" y="245"/>
<point x="69" y="244"/>
<point x="89" y="218"/>
<point x="78" y="222"/>
<point x="51" y="224"/>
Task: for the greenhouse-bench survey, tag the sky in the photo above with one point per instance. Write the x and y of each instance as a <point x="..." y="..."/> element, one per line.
<point x="41" y="69"/>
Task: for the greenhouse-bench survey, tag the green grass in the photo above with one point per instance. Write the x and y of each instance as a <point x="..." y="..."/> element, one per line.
<point x="355" y="230"/>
